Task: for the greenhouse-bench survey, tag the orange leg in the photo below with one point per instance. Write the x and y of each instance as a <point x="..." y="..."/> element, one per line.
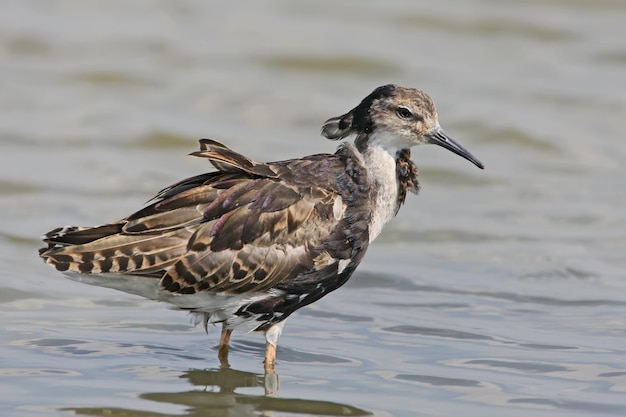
<point x="271" y="338"/>
<point x="222" y="352"/>
<point x="270" y="357"/>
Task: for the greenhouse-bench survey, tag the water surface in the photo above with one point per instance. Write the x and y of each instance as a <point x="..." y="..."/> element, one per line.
<point x="497" y="292"/>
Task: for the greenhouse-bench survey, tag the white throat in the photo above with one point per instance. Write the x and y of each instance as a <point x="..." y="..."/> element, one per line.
<point x="380" y="161"/>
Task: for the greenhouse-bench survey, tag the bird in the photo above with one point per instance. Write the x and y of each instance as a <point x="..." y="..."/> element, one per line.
<point x="249" y="243"/>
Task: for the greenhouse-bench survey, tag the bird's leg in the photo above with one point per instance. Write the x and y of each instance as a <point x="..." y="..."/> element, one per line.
<point x="271" y="340"/>
<point x="270" y="357"/>
<point x="222" y="352"/>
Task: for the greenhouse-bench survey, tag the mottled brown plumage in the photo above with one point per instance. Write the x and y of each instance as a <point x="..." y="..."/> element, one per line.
<point x="247" y="227"/>
<point x="252" y="242"/>
<point x="406" y="171"/>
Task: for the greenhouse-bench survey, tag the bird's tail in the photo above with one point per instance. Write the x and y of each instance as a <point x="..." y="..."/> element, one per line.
<point x="108" y="249"/>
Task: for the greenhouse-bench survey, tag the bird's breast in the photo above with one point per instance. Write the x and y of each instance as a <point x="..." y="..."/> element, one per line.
<point x="381" y="167"/>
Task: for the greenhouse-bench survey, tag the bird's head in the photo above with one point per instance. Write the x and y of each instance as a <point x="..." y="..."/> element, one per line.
<point x="394" y="117"/>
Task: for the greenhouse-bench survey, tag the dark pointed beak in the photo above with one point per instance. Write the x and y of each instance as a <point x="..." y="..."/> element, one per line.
<point x="439" y="137"/>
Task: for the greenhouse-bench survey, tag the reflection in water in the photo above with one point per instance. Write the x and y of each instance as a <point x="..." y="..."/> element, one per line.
<point x="218" y="397"/>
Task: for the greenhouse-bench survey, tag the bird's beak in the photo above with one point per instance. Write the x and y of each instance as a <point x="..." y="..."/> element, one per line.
<point x="438" y="137"/>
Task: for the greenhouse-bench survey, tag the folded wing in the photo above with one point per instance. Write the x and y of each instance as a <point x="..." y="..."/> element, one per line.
<point x="242" y="228"/>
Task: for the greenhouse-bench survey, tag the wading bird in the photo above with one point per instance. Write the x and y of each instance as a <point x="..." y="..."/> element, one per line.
<point x="250" y="243"/>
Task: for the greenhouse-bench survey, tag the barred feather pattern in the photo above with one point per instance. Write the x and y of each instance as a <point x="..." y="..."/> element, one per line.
<point x="256" y="240"/>
<point x="406" y="172"/>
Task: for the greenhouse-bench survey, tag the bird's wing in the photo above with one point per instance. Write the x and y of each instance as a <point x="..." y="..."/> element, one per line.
<point x="254" y="233"/>
<point x="243" y="228"/>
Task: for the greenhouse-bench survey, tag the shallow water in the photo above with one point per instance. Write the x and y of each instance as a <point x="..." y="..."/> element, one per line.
<point x="497" y="292"/>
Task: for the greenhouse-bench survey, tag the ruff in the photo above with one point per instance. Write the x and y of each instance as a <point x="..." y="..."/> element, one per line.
<point x="250" y="243"/>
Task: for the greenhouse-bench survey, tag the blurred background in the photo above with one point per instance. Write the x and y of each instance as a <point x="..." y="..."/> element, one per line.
<point x="496" y="292"/>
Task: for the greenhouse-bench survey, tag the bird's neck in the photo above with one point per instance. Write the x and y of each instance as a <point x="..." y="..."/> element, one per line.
<point x="380" y="162"/>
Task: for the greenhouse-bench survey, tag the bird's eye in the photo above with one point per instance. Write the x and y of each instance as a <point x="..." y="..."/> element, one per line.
<point x="404" y="113"/>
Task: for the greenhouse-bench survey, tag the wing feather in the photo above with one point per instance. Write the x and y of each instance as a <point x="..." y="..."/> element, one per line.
<point x="246" y="227"/>
<point x="269" y="241"/>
